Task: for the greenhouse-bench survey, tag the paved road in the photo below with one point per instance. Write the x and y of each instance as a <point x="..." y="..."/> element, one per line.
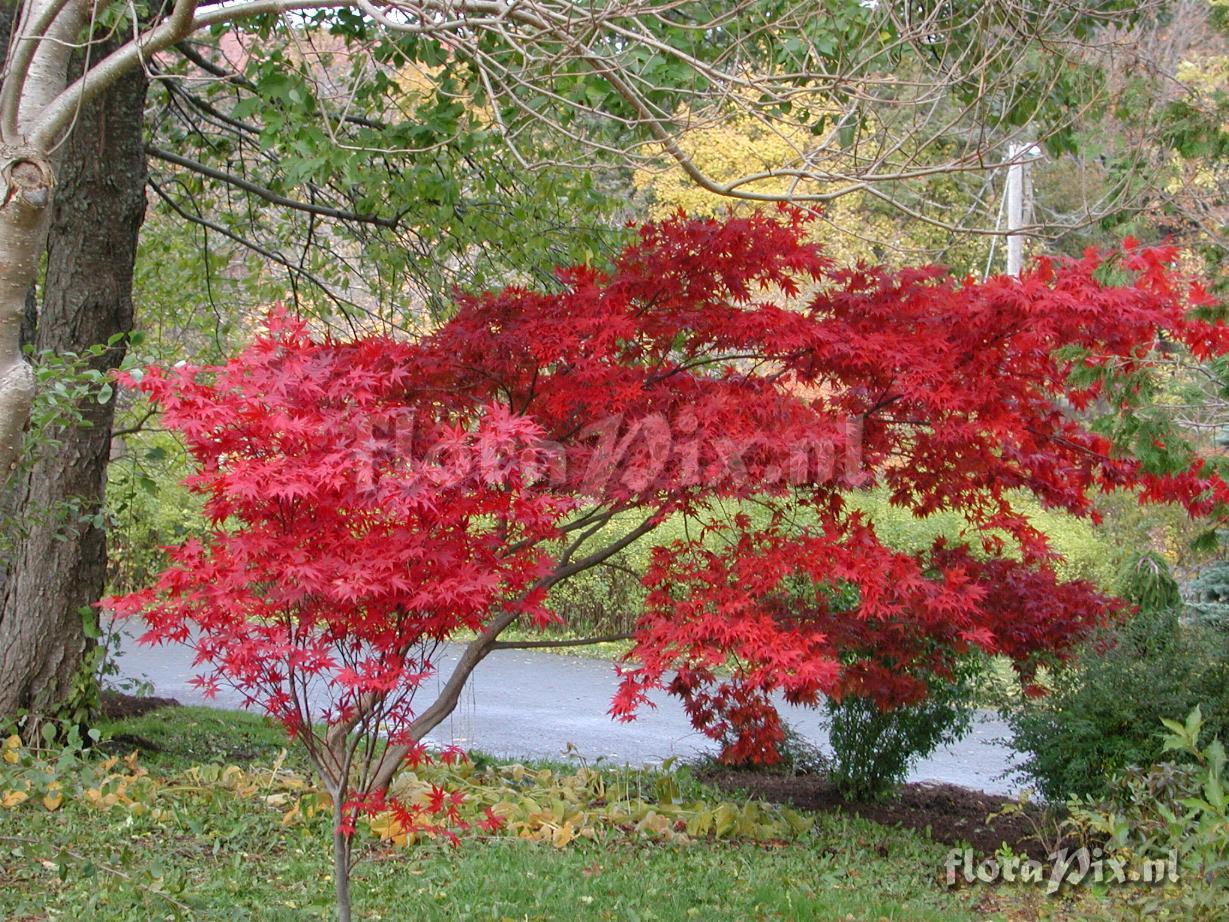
<point x="528" y="704"/>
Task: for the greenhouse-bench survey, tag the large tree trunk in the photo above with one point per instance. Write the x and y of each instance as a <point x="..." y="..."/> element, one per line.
<point x="26" y="185"/>
<point x="59" y="565"/>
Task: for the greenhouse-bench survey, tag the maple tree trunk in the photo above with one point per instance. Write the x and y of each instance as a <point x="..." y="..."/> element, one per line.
<point x="341" y="860"/>
<point x="59" y="565"/>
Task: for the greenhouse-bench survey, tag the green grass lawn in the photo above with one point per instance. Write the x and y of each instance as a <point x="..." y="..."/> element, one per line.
<point x="208" y="853"/>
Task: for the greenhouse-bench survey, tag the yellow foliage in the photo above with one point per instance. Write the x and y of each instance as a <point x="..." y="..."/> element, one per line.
<point x="561" y="808"/>
<point x="849" y="229"/>
<point x="1208" y="74"/>
<point x="544" y="805"/>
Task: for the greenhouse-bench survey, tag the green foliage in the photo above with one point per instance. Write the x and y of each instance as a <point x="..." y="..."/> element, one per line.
<point x="608" y="599"/>
<point x="57" y="765"/>
<point x="63" y="382"/>
<point x="1086" y="553"/>
<point x="1099" y="716"/>
<point x="148" y="508"/>
<point x="427" y="192"/>
<point x="1174" y="808"/>
<point x="602" y="600"/>
<point x="874" y="749"/>
<point x="1145" y="580"/>
<point x="1211" y="595"/>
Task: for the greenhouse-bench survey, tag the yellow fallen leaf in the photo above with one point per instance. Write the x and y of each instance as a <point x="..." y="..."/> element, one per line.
<point x="52" y="801"/>
<point x="13" y="798"/>
<point x="563" y="835"/>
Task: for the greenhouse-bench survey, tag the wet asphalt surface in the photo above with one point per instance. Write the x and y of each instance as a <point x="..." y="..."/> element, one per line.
<point x="531" y="704"/>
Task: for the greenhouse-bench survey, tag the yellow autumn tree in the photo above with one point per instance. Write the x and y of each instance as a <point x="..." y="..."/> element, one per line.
<point x="854" y="227"/>
<point x="743" y="146"/>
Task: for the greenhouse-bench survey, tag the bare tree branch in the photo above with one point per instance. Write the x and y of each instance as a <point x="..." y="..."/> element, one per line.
<point x="268" y="194"/>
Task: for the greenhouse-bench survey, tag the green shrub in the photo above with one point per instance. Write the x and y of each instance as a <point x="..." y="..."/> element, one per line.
<point x="1172" y="810"/>
<point x="149" y="508"/>
<point x="874" y="749"/>
<point x="1211" y="595"/>
<point x="604" y="600"/>
<point x="1145" y="580"/>
<point x="1100" y="715"/>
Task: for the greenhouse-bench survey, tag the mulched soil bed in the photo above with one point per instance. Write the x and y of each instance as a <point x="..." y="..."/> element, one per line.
<point x="947" y="813"/>
<point x="118" y="706"/>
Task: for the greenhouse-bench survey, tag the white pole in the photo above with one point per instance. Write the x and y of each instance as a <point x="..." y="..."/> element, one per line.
<point x="1015" y="209"/>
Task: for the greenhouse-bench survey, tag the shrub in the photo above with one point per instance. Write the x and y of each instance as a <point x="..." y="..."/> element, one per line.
<point x="149" y="509"/>
<point x="1100" y="715"/>
<point x="1173" y="809"/>
<point x="873" y="748"/>
<point x="1211" y="595"/>
<point x="1084" y="551"/>
<point x="1145" y="581"/>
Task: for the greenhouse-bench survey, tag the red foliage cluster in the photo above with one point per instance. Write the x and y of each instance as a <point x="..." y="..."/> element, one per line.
<point x="333" y="556"/>
<point x="372" y="498"/>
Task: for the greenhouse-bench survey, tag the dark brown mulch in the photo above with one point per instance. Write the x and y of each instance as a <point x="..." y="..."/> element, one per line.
<point x="946" y="812"/>
<point x="118" y="706"/>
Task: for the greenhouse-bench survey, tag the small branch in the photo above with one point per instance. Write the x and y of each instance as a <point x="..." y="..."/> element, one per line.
<point x="292" y="270"/>
<point x="22" y="49"/>
<point x="56" y="117"/>
<point x="134" y="429"/>
<point x="268" y="195"/>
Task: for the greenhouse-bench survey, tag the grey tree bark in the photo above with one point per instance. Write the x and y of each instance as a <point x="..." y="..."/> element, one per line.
<point x="35" y="73"/>
<point x="60" y="562"/>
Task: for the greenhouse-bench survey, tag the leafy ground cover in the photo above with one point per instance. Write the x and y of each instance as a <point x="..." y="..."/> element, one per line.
<point x="209" y="820"/>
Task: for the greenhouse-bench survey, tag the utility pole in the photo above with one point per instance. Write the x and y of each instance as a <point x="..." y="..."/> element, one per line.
<point x="1015" y="209"/>
<point x="1019" y="206"/>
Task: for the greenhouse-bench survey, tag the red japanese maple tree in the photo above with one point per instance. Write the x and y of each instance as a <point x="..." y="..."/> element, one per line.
<point x="371" y="499"/>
